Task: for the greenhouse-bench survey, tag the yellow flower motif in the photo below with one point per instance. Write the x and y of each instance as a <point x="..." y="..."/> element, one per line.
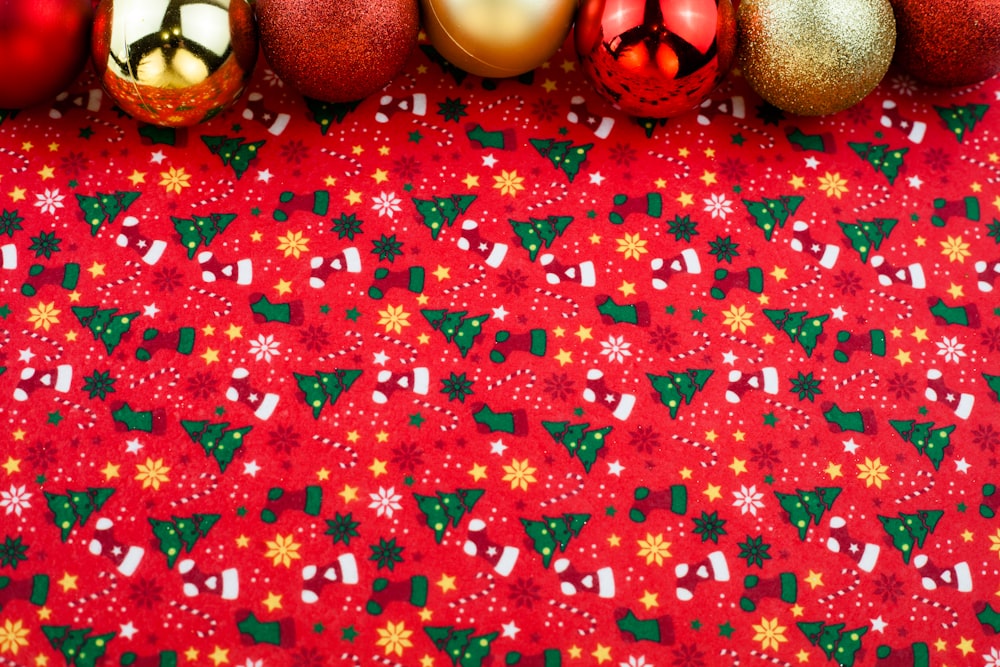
<point x="152" y="473"/>
<point x="995" y="542"/>
<point x="769" y="633"/>
<point x="738" y="318"/>
<point x="508" y="182"/>
<point x="955" y="249"/>
<point x="394" y="318"/>
<point x="293" y="244"/>
<point x="632" y="246"/>
<point x="44" y="315"/>
<point x="282" y="550"/>
<point x="832" y="184"/>
<point x="394" y="637"/>
<point x="654" y="549"/>
<point x="519" y="474"/>
<point x="175" y="180"/>
<point x="873" y="472"/>
<point x="12" y="636"/>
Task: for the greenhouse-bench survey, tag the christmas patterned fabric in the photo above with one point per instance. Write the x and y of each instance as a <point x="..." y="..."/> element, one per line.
<point x="479" y="372"/>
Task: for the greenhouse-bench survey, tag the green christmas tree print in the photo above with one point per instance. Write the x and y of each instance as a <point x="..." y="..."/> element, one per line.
<point x="100" y="207"/>
<point x="538" y="232"/>
<point x="201" y="230"/>
<point x="75" y="507"/>
<point x="553" y="532"/>
<point x="445" y="508"/>
<point x="322" y="387"/>
<point x="677" y="387"/>
<point x="800" y="327"/>
<point x="803" y="506"/>
<point x="908" y="531"/>
<point x="772" y="213"/>
<point x="181" y="533"/>
<point x="217" y="439"/>
<point x="456" y="327"/>
<point x="78" y="646"/>
<point x="233" y="151"/>
<point x="929" y="441"/>
<point x="579" y="440"/>
<point x="438" y="212"/>
<point x="884" y="160"/>
<point x="961" y="119"/>
<point x="563" y="155"/>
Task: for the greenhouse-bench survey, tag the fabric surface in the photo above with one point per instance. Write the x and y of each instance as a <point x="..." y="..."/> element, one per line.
<point x="486" y="373"/>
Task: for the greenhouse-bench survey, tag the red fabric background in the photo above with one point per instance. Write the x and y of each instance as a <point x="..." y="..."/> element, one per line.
<point x="699" y="173"/>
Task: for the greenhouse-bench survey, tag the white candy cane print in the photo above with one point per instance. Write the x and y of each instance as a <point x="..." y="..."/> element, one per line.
<point x="156" y="375"/>
<point x="693" y="351"/>
<point x="223" y="304"/>
<point x="43" y="339"/>
<point x="573" y="305"/>
<point x="132" y="271"/>
<point x="353" y="347"/>
<point x="872" y="201"/>
<point x="918" y="492"/>
<point x="680" y="168"/>
<point x="880" y="295"/>
<point x="571" y="477"/>
<point x="207" y="618"/>
<point x="401" y="343"/>
<point x="213" y="484"/>
<point x="836" y="595"/>
<point x="216" y="195"/>
<point x="816" y="279"/>
<point x="17" y="156"/>
<point x="940" y="606"/>
<point x="349" y="159"/>
<point x="102" y="594"/>
<point x="697" y="444"/>
<point x="463" y="602"/>
<point x="352" y="453"/>
<point x="549" y="199"/>
<point x="468" y="283"/>
<point x="591" y="622"/>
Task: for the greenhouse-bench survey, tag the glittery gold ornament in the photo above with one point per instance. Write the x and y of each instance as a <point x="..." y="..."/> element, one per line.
<point x="497" y="38"/>
<point x="174" y="62"/>
<point x="815" y="57"/>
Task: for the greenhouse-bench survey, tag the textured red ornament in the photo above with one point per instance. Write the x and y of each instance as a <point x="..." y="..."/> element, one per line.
<point x="43" y="47"/>
<point x="655" y="58"/>
<point x="337" y="51"/>
<point x="948" y="42"/>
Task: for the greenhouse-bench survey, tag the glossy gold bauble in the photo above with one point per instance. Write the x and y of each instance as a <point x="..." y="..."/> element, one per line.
<point x="174" y="62"/>
<point x="815" y="57"/>
<point x="497" y="38"/>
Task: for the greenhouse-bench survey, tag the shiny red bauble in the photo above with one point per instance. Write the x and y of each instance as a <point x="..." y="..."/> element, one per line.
<point x="948" y="42"/>
<point x="656" y="58"/>
<point x="337" y="51"/>
<point x="44" y="45"/>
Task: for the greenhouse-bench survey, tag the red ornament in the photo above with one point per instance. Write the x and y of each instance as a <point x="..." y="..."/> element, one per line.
<point x="337" y="51"/>
<point x="43" y="48"/>
<point x="656" y="58"/>
<point x="948" y="42"/>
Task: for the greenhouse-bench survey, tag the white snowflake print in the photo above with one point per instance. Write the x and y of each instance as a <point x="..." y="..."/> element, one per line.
<point x="616" y="349"/>
<point x="15" y="500"/>
<point x="951" y="349"/>
<point x="387" y="204"/>
<point x="748" y="499"/>
<point x="718" y="206"/>
<point x="264" y="347"/>
<point x="992" y="659"/>
<point x="50" y="201"/>
<point x="903" y="84"/>
<point x="634" y="661"/>
<point x="386" y="501"/>
<point x="272" y="79"/>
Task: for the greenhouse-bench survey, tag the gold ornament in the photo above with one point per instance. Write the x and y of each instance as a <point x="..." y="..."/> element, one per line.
<point x="815" y="57"/>
<point x="174" y="62"/>
<point x="497" y="38"/>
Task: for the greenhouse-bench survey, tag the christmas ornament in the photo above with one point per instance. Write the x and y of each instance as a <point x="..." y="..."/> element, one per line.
<point x="497" y="38"/>
<point x="656" y="59"/>
<point x="815" y="57"/>
<point x="337" y="52"/>
<point x="174" y="62"/>
<point x="43" y="47"/>
<point x="948" y="42"/>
